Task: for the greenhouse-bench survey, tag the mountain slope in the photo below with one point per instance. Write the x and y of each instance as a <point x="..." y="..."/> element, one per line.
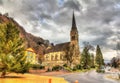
<point x="38" y="44"/>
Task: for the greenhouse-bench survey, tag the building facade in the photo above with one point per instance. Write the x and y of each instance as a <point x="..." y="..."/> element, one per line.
<point x="56" y="54"/>
<point x="31" y="56"/>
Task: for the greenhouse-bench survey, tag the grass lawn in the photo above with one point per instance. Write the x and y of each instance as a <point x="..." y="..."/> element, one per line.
<point x="30" y="78"/>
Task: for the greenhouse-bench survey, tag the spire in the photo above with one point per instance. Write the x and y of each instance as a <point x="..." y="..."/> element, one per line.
<point x="73" y="22"/>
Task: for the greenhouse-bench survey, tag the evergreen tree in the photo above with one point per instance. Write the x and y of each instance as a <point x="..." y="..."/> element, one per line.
<point x="12" y="50"/>
<point x="99" y="58"/>
<point x="92" y="60"/>
<point x="85" y="58"/>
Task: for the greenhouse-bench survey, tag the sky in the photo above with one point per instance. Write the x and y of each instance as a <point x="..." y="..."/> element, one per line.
<point x="98" y="21"/>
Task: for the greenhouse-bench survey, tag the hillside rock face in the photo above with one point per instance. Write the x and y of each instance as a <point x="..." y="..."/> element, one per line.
<point x="38" y="44"/>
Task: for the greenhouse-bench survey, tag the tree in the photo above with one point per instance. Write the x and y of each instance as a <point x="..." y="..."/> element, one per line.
<point x="92" y="61"/>
<point x="12" y="50"/>
<point x="85" y="58"/>
<point x="118" y="49"/>
<point x="88" y="46"/>
<point x="114" y="62"/>
<point x="99" y="58"/>
<point x="69" y="53"/>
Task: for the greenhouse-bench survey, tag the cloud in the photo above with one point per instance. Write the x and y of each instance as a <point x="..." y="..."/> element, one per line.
<point x="1" y="2"/>
<point x="97" y="20"/>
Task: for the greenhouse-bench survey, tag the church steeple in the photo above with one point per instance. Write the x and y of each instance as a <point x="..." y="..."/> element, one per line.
<point x="74" y="31"/>
<point x="73" y="22"/>
<point x="74" y="41"/>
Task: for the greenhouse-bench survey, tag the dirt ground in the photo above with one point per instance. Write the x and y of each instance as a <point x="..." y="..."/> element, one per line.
<point x="44" y="73"/>
<point x="30" y="78"/>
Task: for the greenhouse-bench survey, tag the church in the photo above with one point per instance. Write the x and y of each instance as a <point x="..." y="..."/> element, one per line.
<point x="56" y="54"/>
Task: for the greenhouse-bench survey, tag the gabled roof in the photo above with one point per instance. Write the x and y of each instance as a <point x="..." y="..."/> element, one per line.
<point x="58" y="47"/>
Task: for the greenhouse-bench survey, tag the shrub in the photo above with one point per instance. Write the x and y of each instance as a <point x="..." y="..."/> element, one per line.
<point x="42" y="67"/>
<point x="100" y="70"/>
<point x="65" y="65"/>
<point x="92" y="66"/>
<point x="57" y="68"/>
<point x="78" y="66"/>
<point x="49" y="70"/>
<point x="37" y="66"/>
<point x="74" y="69"/>
<point x="34" y="66"/>
<point x="68" y="69"/>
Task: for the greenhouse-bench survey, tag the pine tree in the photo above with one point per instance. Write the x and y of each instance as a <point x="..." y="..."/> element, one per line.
<point x="92" y="61"/>
<point x="12" y="50"/>
<point x="99" y="58"/>
<point x="85" y="58"/>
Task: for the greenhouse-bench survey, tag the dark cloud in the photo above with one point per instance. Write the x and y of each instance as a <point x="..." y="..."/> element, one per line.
<point x="73" y="5"/>
<point x="99" y="19"/>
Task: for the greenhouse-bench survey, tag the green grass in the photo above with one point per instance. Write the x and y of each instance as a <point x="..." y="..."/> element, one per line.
<point x="83" y="70"/>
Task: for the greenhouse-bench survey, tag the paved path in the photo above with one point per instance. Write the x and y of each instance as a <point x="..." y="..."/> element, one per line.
<point x="88" y="77"/>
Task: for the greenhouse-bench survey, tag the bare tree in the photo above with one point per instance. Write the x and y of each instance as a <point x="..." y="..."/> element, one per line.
<point x="118" y="48"/>
<point x="88" y="45"/>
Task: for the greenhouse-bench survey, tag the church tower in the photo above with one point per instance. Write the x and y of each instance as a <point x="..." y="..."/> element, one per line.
<point x="74" y="42"/>
<point x="74" y="32"/>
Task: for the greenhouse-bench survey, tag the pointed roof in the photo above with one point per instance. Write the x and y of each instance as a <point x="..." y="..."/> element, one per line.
<point x="73" y="22"/>
<point x="30" y="50"/>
